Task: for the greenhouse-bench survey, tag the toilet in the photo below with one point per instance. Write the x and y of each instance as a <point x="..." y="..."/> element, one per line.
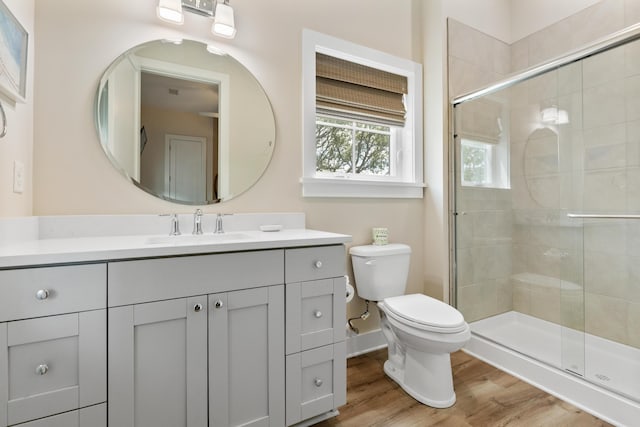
<point x="421" y="332"/>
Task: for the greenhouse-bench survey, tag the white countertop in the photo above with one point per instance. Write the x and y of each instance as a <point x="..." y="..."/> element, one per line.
<point x="96" y="238"/>
<point x="110" y="248"/>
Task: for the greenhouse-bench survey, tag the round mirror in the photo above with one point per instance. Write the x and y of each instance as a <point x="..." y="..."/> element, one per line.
<point x="184" y="122"/>
<point x="541" y="166"/>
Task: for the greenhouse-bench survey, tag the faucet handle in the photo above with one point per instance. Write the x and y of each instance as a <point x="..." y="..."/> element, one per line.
<point x="219" y="229"/>
<point x="175" y="225"/>
<point x="197" y="222"/>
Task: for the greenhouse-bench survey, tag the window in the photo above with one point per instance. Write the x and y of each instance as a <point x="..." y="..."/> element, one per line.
<point x="482" y="129"/>
<point x="362" y="121"/>
<point x="349" y="147"/>
<point x="476" y="163"/>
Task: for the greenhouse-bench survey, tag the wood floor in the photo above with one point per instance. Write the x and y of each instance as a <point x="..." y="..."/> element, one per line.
<point x="486" y="396"/>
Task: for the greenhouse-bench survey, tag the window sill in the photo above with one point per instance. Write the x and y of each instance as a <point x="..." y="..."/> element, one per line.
<point x="344" y="187"/>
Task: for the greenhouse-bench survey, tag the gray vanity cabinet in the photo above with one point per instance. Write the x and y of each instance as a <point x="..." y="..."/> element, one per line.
<point x="199" y="340"/>
<point x="53" y="346"/>
<point x="212" y="359"/>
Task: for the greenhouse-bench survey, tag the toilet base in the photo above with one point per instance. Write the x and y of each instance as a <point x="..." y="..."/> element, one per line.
<point x="429" y="380"/>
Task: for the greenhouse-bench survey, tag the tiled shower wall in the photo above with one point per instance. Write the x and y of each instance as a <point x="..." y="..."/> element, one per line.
<point x="590" y="164"/>
<point x="484" y="214"/>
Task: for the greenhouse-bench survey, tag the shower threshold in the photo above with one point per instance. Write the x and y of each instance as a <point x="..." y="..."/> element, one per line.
<point x="533" y="350"/>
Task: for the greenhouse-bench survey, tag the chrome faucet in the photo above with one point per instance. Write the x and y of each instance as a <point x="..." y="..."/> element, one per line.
<point x="197" y="222"/>
<point x="219" y="229"/>
<point x="175" y="225"/>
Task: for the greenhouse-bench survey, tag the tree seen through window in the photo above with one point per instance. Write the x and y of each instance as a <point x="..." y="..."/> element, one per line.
<point x="350" y="147"/>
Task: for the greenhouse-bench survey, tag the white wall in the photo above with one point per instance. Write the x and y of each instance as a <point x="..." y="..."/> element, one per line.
<point x="18" y="143"/>
<point x="511" y="20"/>
<point x="492" y="17"/>
<point x="528" y="16"/>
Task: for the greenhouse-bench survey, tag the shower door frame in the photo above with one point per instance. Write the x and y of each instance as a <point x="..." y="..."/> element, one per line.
<point x="611" y="41"/>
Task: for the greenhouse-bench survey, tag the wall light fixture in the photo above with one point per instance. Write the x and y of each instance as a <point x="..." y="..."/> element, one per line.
<point x="219" y="11"/>
<point x="223" y="22"/>
<point x="170" y="11"/>
<point x="554" y="115"/>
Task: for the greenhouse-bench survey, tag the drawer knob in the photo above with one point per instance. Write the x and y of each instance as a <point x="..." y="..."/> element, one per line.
<point x="42" y="294"/>
<point x="318" y="264"/>
<point x="317" y="314"/>
<point x="197" y="308"/>
<point x="317" y="382"/>
<point x="42" y="369"/>
<point x="219" y="304"/>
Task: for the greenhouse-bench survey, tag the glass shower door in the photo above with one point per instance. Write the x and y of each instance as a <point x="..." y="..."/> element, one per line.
<point x="518" y="258"/>
<point x="610" y="180"/>
<point x="547" y="216"/>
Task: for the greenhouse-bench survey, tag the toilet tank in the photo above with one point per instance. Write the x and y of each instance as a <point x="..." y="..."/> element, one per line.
<point x="380" y="271"/>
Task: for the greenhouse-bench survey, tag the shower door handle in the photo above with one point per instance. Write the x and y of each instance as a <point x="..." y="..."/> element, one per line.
<point x="603" y="216"/>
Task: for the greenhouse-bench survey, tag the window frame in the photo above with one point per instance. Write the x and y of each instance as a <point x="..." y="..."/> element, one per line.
<point x="410" y="184"/>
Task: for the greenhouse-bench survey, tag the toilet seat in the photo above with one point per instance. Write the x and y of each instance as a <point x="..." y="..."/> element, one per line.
<point x="425" y="313"/>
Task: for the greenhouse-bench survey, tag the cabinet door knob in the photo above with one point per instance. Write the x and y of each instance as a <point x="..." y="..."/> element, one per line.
<point x="42" y="294"/>
<point x="317" y="382"/>
<point x="317" y="314"/>
<point x="318" y="264"/>
<point x="197" y="307"/>
<point x="42" y="369"/>
<point x="219" y="304"/>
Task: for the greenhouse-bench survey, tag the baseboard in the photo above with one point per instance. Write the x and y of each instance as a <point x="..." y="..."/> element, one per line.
<point x="366" y="342"/>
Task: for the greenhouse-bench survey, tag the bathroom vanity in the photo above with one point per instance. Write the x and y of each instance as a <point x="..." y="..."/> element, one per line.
<point x="245" y="328"/>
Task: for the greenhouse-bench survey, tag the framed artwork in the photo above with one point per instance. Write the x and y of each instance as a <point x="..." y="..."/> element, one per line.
<point x="13" y="56"/>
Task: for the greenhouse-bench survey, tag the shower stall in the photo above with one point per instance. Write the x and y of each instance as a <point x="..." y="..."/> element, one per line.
<point x="545" y="172"/>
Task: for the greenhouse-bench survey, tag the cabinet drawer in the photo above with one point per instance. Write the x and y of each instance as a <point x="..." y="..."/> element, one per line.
<point x="316" y="382"/>
<point x="315" y="263"/>
<point x="34" y="292"/>
<point x="93" y="416"/>
<point x="315" y="313"/>
<point x="53" y="364"/>
<point x="133" y="282"/>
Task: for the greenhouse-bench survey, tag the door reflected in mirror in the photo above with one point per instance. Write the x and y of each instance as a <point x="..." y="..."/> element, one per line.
<point x="184" y="124"/>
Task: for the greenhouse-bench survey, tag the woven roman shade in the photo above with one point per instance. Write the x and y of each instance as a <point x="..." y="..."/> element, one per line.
<point x="354" y="91"/>
<point x="480" y="120"/>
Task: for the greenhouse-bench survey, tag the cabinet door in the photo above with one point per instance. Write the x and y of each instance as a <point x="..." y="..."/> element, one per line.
<point x="316" y="382"/>
<point x="246" y="358"/>
<point x="158" y="364"/>
<point x="316" y="312"/>
<point x="50" y="365"/>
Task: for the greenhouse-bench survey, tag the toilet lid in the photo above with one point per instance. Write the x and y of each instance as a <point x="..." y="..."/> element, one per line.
<point x="425" y="310"/>
<point x="380" y="250"/>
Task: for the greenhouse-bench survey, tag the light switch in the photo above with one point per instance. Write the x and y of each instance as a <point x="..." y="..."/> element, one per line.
<point x="18" y="176"/>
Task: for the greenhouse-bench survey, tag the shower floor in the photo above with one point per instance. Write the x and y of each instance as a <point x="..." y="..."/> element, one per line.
<point x="603" y="362"/>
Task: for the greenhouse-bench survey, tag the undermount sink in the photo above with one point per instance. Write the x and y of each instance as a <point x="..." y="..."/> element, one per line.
<point x="191" y="239"/>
